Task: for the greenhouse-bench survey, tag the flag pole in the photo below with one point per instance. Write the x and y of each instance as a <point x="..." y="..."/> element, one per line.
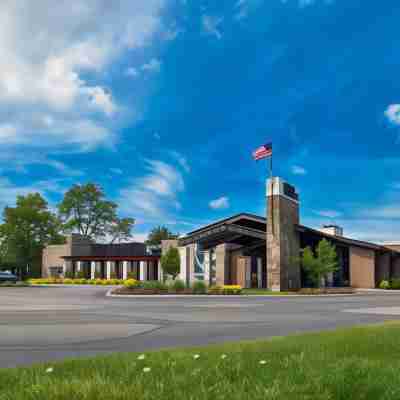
<point x="272" y="196"/>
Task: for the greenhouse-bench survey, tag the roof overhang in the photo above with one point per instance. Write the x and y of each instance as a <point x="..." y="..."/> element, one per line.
<point x="343" y="240"/>
<point x="224" y="233"/>
<point x="111" y="258"/>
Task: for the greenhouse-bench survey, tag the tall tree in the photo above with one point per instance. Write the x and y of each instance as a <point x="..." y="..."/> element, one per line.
<point x="85" y="209"/>
<point x="27" y="228"/>
<point x="319" y="265"/>
<point x="121" y="229"/>
<point x="158" y="234"/>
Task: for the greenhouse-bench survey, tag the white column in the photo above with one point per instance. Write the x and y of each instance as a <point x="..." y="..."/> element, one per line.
<point x="160" y="271"/>
<point x="207" y="267"/>
<point x="64" y="267"/>
<point x="142" y="271"/>
<point x="78" y="266"/>
<point x="108" y="270"/>
<point x="92" y="269"/>
<point x="182" y="255"/>
<point x="125" y="270"/>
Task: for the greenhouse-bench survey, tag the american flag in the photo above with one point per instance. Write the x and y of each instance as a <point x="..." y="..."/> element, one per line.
<point x="263" y="151"/>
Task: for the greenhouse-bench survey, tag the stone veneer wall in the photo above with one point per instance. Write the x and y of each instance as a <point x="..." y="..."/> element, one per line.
<point x="283" y="244"/>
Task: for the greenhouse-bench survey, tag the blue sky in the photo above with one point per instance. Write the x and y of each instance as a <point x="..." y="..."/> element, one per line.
<point x="162" y="103"/>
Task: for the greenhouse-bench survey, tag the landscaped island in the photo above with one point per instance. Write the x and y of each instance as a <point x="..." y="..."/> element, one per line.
<point x="357" y="363"/>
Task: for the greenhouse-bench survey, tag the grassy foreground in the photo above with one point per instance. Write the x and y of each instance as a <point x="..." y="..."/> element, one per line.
<point x="359" y="363"/>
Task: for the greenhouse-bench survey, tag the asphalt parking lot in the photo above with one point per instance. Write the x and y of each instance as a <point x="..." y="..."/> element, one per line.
<point x="46" y="324"/>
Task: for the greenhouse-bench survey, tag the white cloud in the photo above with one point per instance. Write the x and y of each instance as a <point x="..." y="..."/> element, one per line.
<point x="211" y="25"/>
<point x="100" y="99"/>
<point x="298" y="170"/>
<point x="392" y="113"/>
<point x="132" y="72"/>
<point x="171" y="34"/>
<point x="306" y="3"/>
<point x="182" y="160"/>
<point x="154" y="65"/>
<point x="52" y="61"/>
<point x="9" y="191"/>
<point x="154" y="195"/>
<point x="389" y="211"/>
<point x="117" y="171"/>
<point x="241" y="9"/>
<point x="328" y="213"/>
<point x="220" y="203"/>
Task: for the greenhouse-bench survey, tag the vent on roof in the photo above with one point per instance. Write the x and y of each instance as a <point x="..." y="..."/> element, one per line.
<point x="332" y="230"/>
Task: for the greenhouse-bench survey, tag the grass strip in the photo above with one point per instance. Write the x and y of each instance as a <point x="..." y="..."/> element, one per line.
<point x="356" y="363"/>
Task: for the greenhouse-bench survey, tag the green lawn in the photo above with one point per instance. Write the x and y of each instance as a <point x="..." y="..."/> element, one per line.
<point x="359" y="363"/>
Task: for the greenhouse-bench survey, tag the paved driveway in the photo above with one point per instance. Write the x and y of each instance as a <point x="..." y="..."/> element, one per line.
<point x="42" y="324"/>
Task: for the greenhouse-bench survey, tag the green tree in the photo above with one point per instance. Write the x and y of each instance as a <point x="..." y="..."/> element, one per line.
<point x="319" y="265"/>
<point x="171" y="262"/>
<point x="27" y="228"/>
<point x="121" y="229"/>
<point x="84" y="209"/>
<point x="158" y="234"/>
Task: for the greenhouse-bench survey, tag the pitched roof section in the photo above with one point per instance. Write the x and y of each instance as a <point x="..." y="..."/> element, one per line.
<point x="244" y="219"/>
<point x="344" y="240"/>
<point x="239" y="229"/>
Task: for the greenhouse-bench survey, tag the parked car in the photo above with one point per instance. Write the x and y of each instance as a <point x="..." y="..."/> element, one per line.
<point x="8" y="277"/>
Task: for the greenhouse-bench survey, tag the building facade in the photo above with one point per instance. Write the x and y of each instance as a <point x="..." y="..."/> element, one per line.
<point x="247" y="250"/>
<point x="81" y="257"/>
<point x="258" y="252"/>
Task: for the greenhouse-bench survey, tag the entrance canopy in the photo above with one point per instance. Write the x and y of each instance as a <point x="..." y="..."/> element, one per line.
<point x="241" y="229"/>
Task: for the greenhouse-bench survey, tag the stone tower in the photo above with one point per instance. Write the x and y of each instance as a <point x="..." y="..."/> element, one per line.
<point x="283" y="239"/>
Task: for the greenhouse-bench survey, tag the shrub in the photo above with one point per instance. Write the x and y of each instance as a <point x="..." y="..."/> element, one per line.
<point x="69" y="275"/>
<point x="153" y="285"/>
<point x="68" y="281"/>
<point x="80" y="281"/>
<point x="384" y="285"/>
<point x="199" y="287"/>
<point x="115" y="282"/>
<point x="395" y="284"/>
<point x="131" y="283"/>
<point x="80" y="275"/>
<point x="231" y="289"/>
<point x="177" y="285"/>
<point x="131" y="275"/>
<point x="215" y="290"/>
<point x="171" y="262"/>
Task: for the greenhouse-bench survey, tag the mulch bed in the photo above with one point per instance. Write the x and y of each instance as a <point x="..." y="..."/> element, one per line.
<point x="338" y="290"/>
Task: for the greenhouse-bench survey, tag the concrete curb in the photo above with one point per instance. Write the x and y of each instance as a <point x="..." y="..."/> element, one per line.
<point x="393" y="291"/>
<point x="215" y="296"/>
<point x="77" y="286"/>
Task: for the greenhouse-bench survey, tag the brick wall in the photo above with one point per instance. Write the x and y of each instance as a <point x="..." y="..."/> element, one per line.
<point x="362" y="268"/>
